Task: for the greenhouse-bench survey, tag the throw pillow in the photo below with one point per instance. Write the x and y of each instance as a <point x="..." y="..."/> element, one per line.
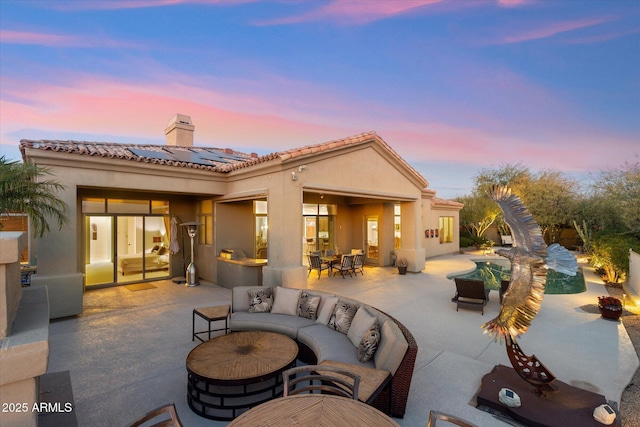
<point x="260" y="300"/>
<point x="342" y="316"/>
<point x="369" y="343"/>
<point x="360" y="325"/>
<point x="326" y="310"/>
<point x="308" y="306"/>
<point x="286" y="301"/>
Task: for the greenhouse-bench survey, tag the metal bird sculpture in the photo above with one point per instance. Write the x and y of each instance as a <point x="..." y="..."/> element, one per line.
<point x="530" y="258"/>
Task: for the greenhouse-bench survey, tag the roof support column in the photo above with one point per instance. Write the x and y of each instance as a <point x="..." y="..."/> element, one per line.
<point x="411" y="242"/>
<point x="285" y="235"/>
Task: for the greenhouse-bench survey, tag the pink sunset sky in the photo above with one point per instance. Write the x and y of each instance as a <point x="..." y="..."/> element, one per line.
<point x="453" y="86"/>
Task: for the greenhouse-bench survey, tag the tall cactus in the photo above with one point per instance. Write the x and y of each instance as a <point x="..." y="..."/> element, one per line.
<point x="585" y="235"/>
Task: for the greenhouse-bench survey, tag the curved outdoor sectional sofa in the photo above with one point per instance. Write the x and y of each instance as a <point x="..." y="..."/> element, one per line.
<point x="334" y="329"/>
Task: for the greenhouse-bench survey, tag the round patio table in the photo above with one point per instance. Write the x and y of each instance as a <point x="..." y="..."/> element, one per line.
<point x="231" y="373"/>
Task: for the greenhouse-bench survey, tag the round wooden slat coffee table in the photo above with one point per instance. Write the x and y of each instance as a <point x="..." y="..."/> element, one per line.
<point x="231" y="373"/>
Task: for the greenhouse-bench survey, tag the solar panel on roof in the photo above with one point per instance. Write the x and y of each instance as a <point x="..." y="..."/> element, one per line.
<point x="159" y="155"/>
<point x="186" y="156"/>
<point x="200" y="157"/>
<point x="214" y="158"/>
<point x="224" y="155"/>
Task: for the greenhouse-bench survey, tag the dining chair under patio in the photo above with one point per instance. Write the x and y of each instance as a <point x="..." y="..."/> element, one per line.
<point x="345" y="266"/>
<point x="316" y="264"/>
<point x="358" y="264"/>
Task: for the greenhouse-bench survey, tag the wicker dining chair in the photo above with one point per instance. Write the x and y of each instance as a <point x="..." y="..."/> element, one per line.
<point x="321" y="379"/>
<point x="166" y="414"/>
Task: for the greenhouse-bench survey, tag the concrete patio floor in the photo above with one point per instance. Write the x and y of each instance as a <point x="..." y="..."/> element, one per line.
<point x="126" y="353"/>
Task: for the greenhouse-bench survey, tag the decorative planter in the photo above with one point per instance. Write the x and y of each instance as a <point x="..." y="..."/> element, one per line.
<point x="402" y="270"/>
<point x="610" y="312"/>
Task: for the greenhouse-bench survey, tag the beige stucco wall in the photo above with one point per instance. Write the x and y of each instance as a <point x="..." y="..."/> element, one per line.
<point x="60" y="259"/>
<point x="362" y="179"/>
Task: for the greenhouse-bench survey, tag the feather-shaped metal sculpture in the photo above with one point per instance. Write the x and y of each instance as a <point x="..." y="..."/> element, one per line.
<point x="530" y="258"/>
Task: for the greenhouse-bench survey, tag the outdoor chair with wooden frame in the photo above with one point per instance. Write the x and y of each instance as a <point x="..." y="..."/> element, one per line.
<point x="161" y="413"/>
<point x="319" y="379"/>
<point x="434" y="416"/>
<point x="345" y="266"/>
<point x="316" y="264"/>
<point x="358" y="261"/>
<point x="470" y="294"/>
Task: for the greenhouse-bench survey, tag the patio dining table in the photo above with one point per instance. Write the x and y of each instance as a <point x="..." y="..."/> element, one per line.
<point x="331" y="260"/>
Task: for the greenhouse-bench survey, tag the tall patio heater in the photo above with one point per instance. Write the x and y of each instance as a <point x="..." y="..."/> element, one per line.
<point x="192" y="272"/>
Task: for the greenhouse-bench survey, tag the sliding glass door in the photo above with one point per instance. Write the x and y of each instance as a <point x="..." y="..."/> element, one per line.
<point x="100" y="254"/>
<point x="125" y="249"/>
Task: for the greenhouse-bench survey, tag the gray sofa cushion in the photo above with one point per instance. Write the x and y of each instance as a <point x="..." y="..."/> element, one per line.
<point x="327" y="344"/>
<point x="281" y="323"/>
<point x="392" y="348"/>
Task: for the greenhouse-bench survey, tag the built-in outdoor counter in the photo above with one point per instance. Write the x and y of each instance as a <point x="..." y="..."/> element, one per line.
<point x="240" y="272"/>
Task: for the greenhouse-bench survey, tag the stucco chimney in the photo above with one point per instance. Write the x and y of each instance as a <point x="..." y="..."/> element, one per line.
<point x="180" y="131"/>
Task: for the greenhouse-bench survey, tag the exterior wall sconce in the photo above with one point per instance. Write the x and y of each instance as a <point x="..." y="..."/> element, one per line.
<point x="294" y="176"/>
<point x="192" y="271"/>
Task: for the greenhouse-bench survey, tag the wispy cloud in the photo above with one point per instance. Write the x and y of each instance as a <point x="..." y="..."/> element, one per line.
<point x="604" y="37"/>
<point x="512" y="3"/>
<point x="350" y="12"/>
<point x="130" y="4"/>
<point x="94" y="105"/>
<point x="550" y="30"/>
<point x="59" y="40"/>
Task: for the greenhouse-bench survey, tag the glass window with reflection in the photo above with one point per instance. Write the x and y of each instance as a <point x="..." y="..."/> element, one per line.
<point x="262" y="228"/>
<point x="446" y="229"/>
<point x="205" y="222"/>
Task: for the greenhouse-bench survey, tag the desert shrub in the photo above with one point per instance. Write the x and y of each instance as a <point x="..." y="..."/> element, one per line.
<point x="610" y="255"/>
<point x="466" y="242"/>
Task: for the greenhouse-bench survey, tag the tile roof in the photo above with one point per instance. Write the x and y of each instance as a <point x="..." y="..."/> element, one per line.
<point x="444" y="203"/>
<point x="213" y="159"/>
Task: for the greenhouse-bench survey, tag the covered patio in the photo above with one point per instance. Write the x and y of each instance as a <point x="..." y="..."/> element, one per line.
<point x="126" y="353"/>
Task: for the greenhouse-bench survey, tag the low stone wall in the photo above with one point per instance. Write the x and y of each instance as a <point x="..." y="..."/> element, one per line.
<point x="24" y="345"/>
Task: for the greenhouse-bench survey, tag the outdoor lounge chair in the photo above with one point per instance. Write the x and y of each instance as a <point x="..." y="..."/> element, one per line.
<point x="470" y="294"/>
<point x="345" y="266"/>
<point x="320" y="378"/>
<point x="506" y="240"/>
<point x="316" y="264"/>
